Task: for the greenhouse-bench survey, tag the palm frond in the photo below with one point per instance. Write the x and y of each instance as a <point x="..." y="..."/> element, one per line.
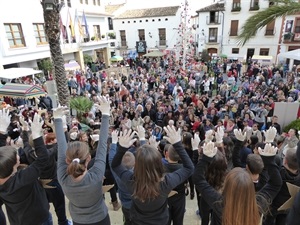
<point x="262" y="18"/>
<point x="81" y="104"/>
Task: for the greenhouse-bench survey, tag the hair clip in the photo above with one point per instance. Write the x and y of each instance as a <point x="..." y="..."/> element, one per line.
<point x="77" y="160"/>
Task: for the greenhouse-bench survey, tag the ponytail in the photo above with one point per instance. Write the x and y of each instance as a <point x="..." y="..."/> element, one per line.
<point x="76" y="168"/>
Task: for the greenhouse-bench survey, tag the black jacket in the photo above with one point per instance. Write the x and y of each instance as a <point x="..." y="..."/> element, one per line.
<point x="24" y="197"/>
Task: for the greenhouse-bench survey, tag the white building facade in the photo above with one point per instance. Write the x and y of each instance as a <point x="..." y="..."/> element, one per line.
<point x="23" y="40"/>
<point x="140" y="31"/>
<point x="221" y="23"/>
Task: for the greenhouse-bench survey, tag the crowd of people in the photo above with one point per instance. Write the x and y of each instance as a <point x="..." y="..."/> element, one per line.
<point x="159" y="135"/>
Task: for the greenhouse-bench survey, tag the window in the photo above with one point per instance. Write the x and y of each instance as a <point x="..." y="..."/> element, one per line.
<point x="166" y="19"/>
<point x="94" y="2"/>
<point x="134" y="21"/>
<point x="69" y="3"/>
<point x="254" y="5"/>
<point x="236" y="5"/>
<point x="97" y="32"/>
<point x="141" y="34"/>
<point x="62" y="1"/>
<point x="39" y="33"/>
<point x="270" y="28"/>
<point x="123" y="38"/>
<point x="234" y="28"/>
<point x="158" y="19"/>
<point x="128" y="22"/>
<point x="14" y="35"/>
<point x="264" y="51"/>
<point x="141" y="21"/>
<point x="235" y="50"/>
<point x="146" y="20"/>
<point x="162" y="36"/>
<point x="213" y="35"/>
<point x="297" y="25"/>
<point x="213" y="17"/>
<point x="87" y="2"/>
<point x="98" y="2"/>
<point x="110" y="23"/>
<point x="81" y="1"/>
<point x="153" y="20"/>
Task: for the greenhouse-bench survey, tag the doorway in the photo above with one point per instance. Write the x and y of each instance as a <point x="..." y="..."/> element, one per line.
<point x="250" y="52"/>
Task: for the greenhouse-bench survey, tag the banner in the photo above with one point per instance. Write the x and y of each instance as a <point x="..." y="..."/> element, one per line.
<point x="85" y="25"/>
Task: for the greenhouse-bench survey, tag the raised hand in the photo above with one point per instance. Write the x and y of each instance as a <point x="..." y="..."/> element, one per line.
<point x="195" y="142"/>
<point x="64" y="120"/>
<point x="25" y="125"/>
<point x="209" y="149"/>
<point x="114" y="137"/>
<point x="173" y="136"/>
<point x="239" y="134"/>
<point x="268" y="150"/>
<point x="270" y="134"/>
<point x="141" y="132"/>
<point x="60" y="111"/>
<point x="209" y="136"/>
<point x="219" y="135"/>
<point x="126" y="138"/>
<point x="36" y="126"/>
<point x="153" y="142"/>
<point x="104" y="105"/>
<point x="4" y="120"/>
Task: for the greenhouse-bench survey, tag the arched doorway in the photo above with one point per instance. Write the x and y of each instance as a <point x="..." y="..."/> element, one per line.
<point x="212" y="51"/>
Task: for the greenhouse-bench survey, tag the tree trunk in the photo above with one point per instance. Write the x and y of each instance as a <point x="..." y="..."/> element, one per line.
<point x="52" y="29"/>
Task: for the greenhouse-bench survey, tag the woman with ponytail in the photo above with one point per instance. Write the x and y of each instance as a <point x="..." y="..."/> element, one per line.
<point x="81" y="186"/>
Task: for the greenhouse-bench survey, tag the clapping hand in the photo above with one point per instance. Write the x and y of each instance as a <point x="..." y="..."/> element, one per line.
<point x="153" y="142"/>
<point x="141" y="133"/>
<point x="195" y="142"/>
<point x="104" y="105"/>
<point x="60" y="111"/>
<point x="209" y="136"/>
<point x="239" y="134"/>
<point x="268" y="150"/>
<point x="173" y="136"/>
<point x="36" y="126"/>
<point x="209" y="149"/>
<point x="219" y="135"/>
<point x="4" y="120"/>
<point x="270" y="134"/>
<point x="126" y="138"/>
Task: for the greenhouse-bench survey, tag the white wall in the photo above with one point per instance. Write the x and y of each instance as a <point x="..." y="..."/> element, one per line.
<point x="132" y="28"/>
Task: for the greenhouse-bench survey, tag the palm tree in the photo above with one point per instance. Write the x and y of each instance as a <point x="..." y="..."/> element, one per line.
<point x="82" y="105"/>
<point x="280" y="8"/>
<point x="52" y="29"/>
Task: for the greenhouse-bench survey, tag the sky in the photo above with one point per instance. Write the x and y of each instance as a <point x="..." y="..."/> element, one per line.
<point x="139" y="4"/>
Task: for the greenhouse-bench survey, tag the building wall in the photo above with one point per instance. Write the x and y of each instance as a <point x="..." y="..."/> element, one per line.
<point x="227" y="42"/>
<point x="30" y="11"/>
<point x="131" y="27"/>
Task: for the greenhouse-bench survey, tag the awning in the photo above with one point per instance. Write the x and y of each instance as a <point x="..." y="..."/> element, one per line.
<point x="13" y="73"/>
<point x="16" y="90"/>
<point x="154" y="54"/>
<point x="294" y="54"/>
<point x="72" y="65"/>
<point x="263" y="58"/>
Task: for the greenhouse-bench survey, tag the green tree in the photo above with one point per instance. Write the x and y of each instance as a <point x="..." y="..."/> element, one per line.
<point x="87" y="59"/>
<point x="52" y="29"/>
<point x="280" y="8"/>
<point x="82" y="105"/>
<point x="205" y="55"/>
<point x="46" y="65"/>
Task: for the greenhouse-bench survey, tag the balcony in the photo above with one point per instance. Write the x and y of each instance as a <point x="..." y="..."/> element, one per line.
<point x="255" y="7"/>
<point x="236" y="7"/>
<point x="123" y="44"/>
<point x="213" y="20"/>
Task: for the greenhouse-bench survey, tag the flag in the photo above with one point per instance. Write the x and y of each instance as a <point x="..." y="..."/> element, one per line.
<point x="62" y="28"/>
<point x="85" y="25"/>
<point x="71" y="25"/>
<point x="81" y="32"/>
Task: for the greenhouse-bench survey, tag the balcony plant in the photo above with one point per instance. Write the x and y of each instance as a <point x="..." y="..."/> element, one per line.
<point x="93" y="38"/>
<point x="103" y="35"/>
<point x="255" y="7"/>
<point x="236" y="9"/>
<point x="112" y="35"/>
<point x="288" y="36"/>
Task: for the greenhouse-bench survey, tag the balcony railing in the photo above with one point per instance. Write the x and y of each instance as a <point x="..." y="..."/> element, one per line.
<point x="162" y="42"/>
<point x="236" y="7"/>
<point x="213" y="20"/>
<point x="254" y="7"/>
<point x="212" y="39"/>
<point x="270" y="32"/>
